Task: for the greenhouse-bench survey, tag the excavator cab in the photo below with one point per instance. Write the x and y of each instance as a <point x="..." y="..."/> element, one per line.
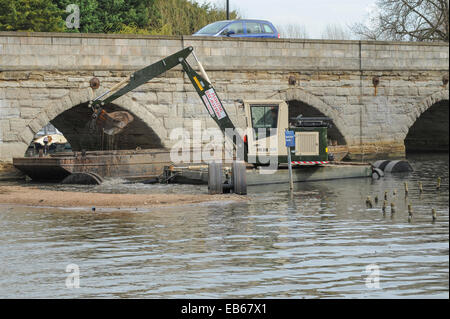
<point x="268" y="120"/>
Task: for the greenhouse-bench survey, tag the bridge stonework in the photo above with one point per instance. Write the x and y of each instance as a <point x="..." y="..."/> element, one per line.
<point x="43" y="75"/>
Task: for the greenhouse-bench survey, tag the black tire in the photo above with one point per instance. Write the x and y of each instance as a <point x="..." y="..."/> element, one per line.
<point x="377" y="173"/>
<point x="381" y="164"/>
<point x="398" y="166"/>
<point x="239" y="175"/>
<point x="83" y="179"/>
<point x="215" y="178"/>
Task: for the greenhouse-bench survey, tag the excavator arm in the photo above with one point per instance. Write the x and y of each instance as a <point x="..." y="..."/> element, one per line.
<point x="114" y="123"/>
<point x="142" y="76"/>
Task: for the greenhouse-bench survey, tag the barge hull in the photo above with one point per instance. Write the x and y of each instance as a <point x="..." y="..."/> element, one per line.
<point x="130" y="165"/>
<point x="309" y="174"/>
<point x="198" y="174"/>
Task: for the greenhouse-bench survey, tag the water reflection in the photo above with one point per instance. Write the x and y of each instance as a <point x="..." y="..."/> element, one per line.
<point x="314" y="242"/>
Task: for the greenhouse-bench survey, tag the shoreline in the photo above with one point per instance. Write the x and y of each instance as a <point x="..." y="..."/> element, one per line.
<point x="35" y="197"/>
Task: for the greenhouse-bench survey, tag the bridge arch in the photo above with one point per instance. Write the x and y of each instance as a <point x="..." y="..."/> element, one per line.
<point x="427" y="127"/>
<point x="423" y="106"/>
<point x="310" y="105"/>
<point x="71" y="115"/>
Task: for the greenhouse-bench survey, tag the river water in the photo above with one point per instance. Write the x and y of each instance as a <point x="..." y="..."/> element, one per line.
<point x="321" y="241"/>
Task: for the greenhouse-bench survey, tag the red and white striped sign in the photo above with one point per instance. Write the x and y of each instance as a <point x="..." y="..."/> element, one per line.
<point x="308" y="162"/>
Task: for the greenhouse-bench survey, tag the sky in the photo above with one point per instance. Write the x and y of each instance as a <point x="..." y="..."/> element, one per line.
<point x="314" y="15"/>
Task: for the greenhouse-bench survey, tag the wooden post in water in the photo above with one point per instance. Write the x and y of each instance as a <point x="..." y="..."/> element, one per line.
<point x="392" y="208"/>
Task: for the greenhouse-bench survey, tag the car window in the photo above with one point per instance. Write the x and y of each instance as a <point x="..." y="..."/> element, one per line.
<point x="267" y="28"/>
<point x="253" y="27"/>
<point x="212" y="28"/>
<point x="237" y="27"/>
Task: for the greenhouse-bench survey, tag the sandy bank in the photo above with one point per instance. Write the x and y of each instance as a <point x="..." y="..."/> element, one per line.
<point x="9" y="172"/>
<point x="37" y="197"/>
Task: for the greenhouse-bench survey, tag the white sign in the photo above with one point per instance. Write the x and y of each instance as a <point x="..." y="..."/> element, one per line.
<point x="215" y="103"/>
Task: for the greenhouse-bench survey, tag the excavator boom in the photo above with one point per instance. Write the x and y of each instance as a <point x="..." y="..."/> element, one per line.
<point x="113" y="123"/>
<point x="144" y="75"/>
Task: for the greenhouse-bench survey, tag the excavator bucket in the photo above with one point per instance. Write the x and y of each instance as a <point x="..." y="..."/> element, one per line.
<point x="113" y="123"/>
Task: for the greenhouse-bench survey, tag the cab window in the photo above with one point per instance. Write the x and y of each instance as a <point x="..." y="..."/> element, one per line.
<point x="264" y="116"/>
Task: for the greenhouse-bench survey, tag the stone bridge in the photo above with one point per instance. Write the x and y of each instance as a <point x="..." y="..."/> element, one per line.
<point x="385" y="98"/>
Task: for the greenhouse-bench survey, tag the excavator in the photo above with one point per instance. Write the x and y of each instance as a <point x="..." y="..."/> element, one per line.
<point x="267" y="121"/>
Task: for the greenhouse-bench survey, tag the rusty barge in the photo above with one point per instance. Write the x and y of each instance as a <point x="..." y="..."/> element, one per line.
<point x="127" y="164"/>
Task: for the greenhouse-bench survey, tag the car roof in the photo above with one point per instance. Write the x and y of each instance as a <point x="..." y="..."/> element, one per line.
<point x="251" y="20"/>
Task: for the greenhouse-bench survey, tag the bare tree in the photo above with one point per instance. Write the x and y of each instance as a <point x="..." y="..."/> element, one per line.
<point x="411" y="20"/>
<point x="335" y="32"/>
<point x="293" y="31"/>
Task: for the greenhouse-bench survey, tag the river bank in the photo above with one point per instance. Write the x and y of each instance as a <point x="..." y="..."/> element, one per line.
<point x="9" y="172"/>
<point x="33" y="196"/>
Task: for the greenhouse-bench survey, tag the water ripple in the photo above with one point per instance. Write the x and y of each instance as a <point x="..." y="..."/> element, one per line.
<point x="315" y="243"/>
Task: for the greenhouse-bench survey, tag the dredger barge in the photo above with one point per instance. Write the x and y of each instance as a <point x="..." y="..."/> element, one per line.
<point x="298" y="146"/>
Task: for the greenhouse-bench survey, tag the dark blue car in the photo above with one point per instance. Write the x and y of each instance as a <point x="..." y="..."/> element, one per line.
<point x="240" y="28"/>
